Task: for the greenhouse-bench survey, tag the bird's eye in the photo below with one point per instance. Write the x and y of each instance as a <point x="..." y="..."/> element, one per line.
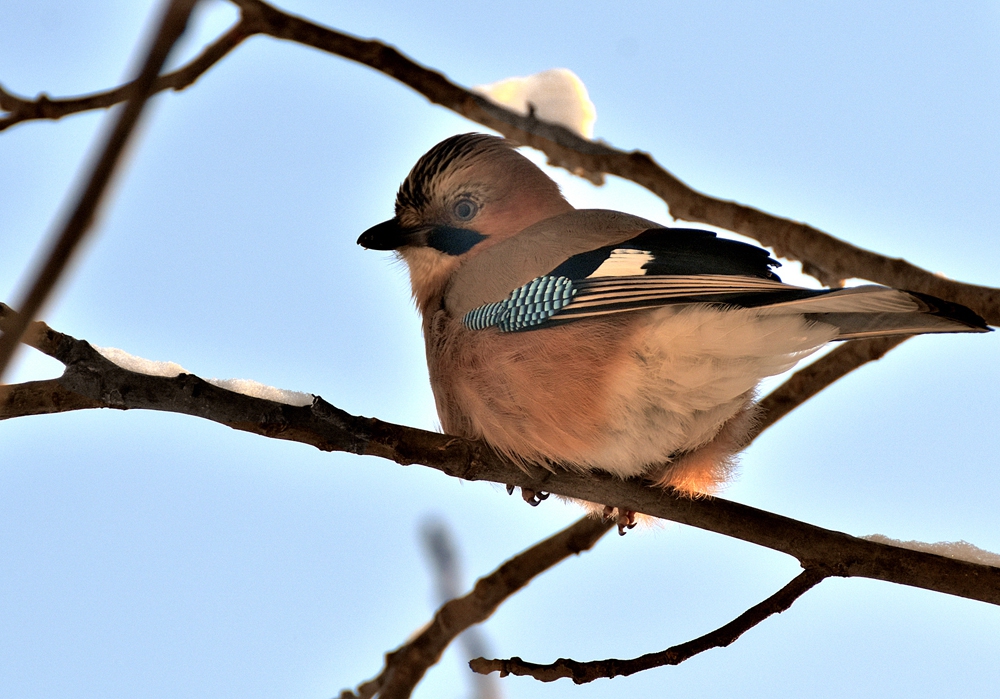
<point x="465" y="209"/>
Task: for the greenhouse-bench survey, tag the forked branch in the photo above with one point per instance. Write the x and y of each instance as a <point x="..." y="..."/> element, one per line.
<point x="583" y="672"/>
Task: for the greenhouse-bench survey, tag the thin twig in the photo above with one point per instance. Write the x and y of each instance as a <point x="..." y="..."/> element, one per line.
<point x="20" y="109"/>
<point x="172" y="24"/>
<point x="583" y="672"/>
<point x="328" y="428"/>
<point x="405" y="666"/>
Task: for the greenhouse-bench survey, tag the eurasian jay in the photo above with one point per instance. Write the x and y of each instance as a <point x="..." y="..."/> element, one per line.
<point x="591" y="339"/>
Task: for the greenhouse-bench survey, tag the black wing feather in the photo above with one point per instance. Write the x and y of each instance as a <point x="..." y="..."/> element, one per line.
<point x="679" y="266"/>
<point x="686" y="251"/>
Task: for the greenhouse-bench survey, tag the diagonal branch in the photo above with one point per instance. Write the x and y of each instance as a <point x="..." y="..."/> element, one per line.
<point x="405" y="666"/>
<point x="21" y="109"/>
<point x="172" y="24"/>
<point x="810" y="380"/>
<point x="326" y="427"/>
<point x="583" y="672"/>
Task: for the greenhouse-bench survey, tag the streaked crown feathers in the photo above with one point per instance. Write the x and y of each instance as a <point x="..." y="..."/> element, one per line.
<point x="420" y="186"/>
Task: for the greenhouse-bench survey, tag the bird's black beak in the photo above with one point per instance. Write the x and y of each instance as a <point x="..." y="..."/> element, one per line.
<point x="388" y="235"/>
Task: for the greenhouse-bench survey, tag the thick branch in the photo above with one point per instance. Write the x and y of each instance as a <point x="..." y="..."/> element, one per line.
<point x="328" y="428"/>
<point x="172" y="24"/>
<point x="41" y="398"/>
<point x="583" y="672"/>
<point x="405" y="666"/>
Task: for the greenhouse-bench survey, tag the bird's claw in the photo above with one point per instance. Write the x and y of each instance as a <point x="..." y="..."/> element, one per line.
<point x="533" y="497"/>
<point x="625" y="519"/>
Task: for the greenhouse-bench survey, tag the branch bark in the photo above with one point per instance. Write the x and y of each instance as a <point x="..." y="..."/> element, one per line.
<point x="93" y="378"/>
<point x="828" y="259"/>
<point x="583" y="672"/>
<point x="405" y="666"/>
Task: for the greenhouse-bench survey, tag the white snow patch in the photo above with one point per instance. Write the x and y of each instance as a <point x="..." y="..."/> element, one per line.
<point x="140" y="365"/>
<point x="255" y="389"/>
<point x="961" y="550"/>
<point x="247" y="387"/>
<point x="557" y="95"/>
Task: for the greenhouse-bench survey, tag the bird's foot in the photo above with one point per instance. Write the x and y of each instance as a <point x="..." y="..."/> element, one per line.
<point x="625" y="519"/>
<point x="532" y="497"/>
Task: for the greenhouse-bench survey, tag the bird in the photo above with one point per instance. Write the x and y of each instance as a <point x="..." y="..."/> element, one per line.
<point x="598" y="341"/>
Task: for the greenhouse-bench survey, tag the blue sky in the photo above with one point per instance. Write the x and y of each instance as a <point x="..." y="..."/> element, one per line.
<point x="156" y="555"/>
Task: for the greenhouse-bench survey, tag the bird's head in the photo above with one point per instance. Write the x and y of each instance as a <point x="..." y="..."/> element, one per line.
<point x="464" y="195"/>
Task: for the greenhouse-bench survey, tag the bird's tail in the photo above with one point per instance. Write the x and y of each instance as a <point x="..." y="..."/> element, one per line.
<point x="873" y="311"/>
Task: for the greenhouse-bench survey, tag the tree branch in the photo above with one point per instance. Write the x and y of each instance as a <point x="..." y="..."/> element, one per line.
<point x="405" y="666"/>
<point x="828" y="259"/>
<point x="21" y="109"/>
<point x="823" y="256"/>
<point x="172" y="24"/>
<point x="96" y="379"/>
<point x="810" y="380"/>
<point x="583" y="672"/>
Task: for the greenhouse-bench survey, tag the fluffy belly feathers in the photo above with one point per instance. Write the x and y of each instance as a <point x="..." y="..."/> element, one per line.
<point x="665" y="393"/>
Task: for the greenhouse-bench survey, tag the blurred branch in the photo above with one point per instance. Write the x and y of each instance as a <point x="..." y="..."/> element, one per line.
<point x="444" y="560"/>
<point x="98" y="382"/>
<point x="172" y="24"/>
<point x="823" y="256"/>
<point x="583" y="672"/>
<point x="405" y="666"/>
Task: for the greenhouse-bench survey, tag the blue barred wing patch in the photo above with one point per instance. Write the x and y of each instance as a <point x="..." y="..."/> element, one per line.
<point x="526" y="307"/>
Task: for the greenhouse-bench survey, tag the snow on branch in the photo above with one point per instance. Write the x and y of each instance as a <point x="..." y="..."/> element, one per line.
<point x="91" y="381"/>
<point x="823" y="256"/>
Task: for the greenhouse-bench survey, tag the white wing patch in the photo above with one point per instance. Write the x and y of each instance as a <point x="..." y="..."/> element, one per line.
<point x="623" y="262"/>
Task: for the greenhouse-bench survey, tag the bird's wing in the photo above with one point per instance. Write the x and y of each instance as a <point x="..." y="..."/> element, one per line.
<point x="671" y="266"/>
<point x="589" y="248"/>
<point x="491" y="275"/>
